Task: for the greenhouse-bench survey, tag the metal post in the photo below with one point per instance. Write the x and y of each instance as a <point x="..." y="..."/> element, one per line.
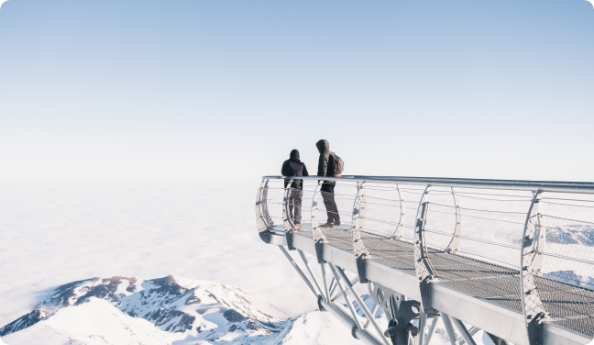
<point x="424" y="269"/>
<point x="463" y="331"/>
<point x="454" y="245"/>
<point x="346" y="298"/>
<point x="287" y="222"/>
<point x="422" y="324"/>
<point x="361" y="252"/>
<point x="318" y="236"/>
<point x="327" y="292"/>
<point x="262" y="216"/>
<point x="447" y="322"/>
<point x="369" y="314"/>
<point x="336" y="310"/>
<point x="541" y="242"/>
<point x="373" y="311"/>
<point x="332" y="286"/>
<point x="341" y="314"/>
<point x="313" y="277"/>
<point x="472" y="331"/>
<point x="431" y="331"/>
<point x="399" y="228"/>
<point x="496" y="340"/>
<point x="533" y="308"/>
<point x="339" y="294"/>
<point x="298" y="269"/>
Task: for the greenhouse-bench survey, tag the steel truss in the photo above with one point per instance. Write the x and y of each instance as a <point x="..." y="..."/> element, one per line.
<point x="399" y="310"/>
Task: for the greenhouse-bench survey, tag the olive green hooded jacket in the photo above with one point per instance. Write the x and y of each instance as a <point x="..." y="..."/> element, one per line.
<point x="325" y="166"/>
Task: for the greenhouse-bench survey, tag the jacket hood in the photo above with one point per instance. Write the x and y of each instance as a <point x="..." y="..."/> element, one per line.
<point x="323" y="146"/>
<point x="295" y="155"/>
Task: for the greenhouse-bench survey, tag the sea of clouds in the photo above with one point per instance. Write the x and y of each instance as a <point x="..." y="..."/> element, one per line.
<point x="57" y="231"/>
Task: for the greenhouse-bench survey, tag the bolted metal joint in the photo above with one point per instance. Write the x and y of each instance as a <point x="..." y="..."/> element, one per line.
<point x="320" y="304"/>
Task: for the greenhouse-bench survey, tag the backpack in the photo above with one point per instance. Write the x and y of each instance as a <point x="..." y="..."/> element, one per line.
<point x="337" y="165"/>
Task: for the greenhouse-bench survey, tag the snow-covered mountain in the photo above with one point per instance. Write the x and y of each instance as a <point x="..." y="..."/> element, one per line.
<point x="583" y="235"/>
<point x="169" y="310"/>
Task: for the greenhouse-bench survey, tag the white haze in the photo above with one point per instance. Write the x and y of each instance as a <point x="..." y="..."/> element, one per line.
<point x="55" y="231"/>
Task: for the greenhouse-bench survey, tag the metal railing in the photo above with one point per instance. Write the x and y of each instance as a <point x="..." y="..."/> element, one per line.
<point x="527" y="245"/>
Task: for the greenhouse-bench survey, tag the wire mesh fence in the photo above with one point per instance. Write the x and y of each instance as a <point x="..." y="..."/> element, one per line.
<point x="274" y="195"/>
<point x="388" y="223"/>
<point x="566" y="280"/>
<point x="485" y="260"/>
<point x="298" y="205"/>
<point x="335" y="213"/>
<point x="383" y="213"/>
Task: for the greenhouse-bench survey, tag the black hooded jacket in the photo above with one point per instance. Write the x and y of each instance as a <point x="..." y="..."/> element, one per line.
<point x="294" y="167"/>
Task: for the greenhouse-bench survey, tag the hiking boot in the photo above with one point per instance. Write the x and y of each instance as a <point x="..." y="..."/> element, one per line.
<point x="327" y="225"/>
<point x="298" y="227"/>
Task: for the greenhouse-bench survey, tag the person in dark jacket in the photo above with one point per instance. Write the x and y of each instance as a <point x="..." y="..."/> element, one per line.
<point x="326" y="169"/>
<point x="294" y="167"/>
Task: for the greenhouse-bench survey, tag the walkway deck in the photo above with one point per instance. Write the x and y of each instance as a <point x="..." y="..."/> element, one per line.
<point x="490" y="282"/>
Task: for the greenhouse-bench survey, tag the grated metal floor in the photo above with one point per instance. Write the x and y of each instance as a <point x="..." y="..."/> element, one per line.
<point x="570" y="306"/>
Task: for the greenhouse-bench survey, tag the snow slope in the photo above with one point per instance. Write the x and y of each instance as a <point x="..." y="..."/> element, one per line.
<point x="93" y="323"/>
<point x="169" y="310"/>
<point x="172" y="310"/>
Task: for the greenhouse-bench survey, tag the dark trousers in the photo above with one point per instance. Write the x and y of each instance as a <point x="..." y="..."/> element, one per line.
<point x="295" y="198"/>
<point x="331" y="208"/>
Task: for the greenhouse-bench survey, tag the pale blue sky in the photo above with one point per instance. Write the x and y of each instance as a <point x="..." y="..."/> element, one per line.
<point x="473" y="88"/>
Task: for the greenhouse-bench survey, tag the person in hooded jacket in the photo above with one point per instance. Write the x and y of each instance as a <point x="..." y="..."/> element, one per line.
<point x="326" y="169"/>
<point x="294" y="167"/>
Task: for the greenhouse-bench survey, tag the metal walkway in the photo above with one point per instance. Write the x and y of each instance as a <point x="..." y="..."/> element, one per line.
<point x="512" y="258"/>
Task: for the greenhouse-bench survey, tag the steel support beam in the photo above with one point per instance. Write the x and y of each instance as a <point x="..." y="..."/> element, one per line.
<point x="399" y="228"/>
<point x="326" y="290"/>
<point x="454" y="245"/>
<point x="287" y="222"/>
<point x="533" y="308"/>
<point x="262" y="216"/>
<point x="447" y="322"/>
<point x="496" y="340"/>
<point x="431" y="331"/>
<point x="311" y="273"/>
<point x="424" y="269"/>
<point x="370" y="316"/>
<point x="336" y="310"/>
<point x="346" y="298"/>
<point x="361" y="252"/>
<point x="373" y="311"/>
<point x="290" y="258"/>
<point x="463" y="331"/>
<point x="422" y="324"/>
<point x="473" y="330"/>
<point x="318" y="236"/>
<point x="287" y="216"/>
<point x="339" y="293"/>
<point x="342" y="315"/>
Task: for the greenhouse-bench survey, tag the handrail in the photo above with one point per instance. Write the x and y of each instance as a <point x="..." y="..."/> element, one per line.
<point x="523" y="185"/>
